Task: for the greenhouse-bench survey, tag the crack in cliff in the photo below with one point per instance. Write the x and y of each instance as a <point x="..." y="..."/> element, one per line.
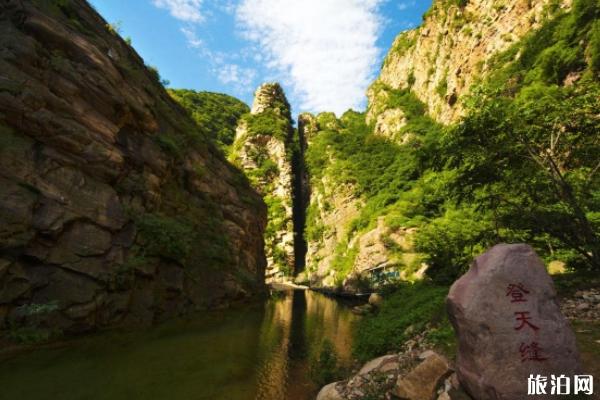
<point x="300" y="196"/>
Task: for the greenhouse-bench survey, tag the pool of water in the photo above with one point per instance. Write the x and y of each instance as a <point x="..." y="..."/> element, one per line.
<point x="260" y="352"/>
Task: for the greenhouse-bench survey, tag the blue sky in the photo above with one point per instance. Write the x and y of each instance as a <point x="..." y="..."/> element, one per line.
<point x="323" y="52"/>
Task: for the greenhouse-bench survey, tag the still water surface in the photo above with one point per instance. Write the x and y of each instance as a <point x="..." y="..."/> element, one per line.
<point x="260" y="352"/>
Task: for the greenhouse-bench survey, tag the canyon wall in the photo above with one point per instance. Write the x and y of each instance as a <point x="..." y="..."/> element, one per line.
<point x="427" y="75"/>
<point x="267" y="149"/>
<point x="341" y="256"/>
<point x="114" y="207"/>
<point x="440" y="60"/>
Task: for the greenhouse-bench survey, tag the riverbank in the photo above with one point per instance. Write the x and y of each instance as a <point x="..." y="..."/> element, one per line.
<point x="411" y="324"/>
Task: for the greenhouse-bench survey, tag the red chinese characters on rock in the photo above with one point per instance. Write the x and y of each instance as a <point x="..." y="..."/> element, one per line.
<point x="529" y="351"/>
<point x="517" y="292"/>
<point x="523" y="317"/>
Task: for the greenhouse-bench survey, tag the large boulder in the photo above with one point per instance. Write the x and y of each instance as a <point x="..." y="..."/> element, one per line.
<point x="509" y="325"/>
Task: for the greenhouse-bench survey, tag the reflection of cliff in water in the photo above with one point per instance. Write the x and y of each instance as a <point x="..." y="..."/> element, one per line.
<point x="260" y="352"/>
<point x="293" y="330"/>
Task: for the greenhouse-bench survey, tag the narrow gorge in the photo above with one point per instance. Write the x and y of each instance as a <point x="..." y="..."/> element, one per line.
<point x="175" y="243"/>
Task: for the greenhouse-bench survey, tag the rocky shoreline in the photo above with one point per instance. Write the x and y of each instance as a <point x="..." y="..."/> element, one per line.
<point x="419" y="371"/>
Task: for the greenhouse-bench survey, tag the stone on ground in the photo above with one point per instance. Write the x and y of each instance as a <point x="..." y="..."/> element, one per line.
<point x="378" y="364"/>
<point x="421" y="383"/>
<point x="329" y="392"/>
<point x="375" y="300"/>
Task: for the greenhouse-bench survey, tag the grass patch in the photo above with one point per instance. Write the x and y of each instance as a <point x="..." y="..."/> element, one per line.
<point x="409" y="305"/>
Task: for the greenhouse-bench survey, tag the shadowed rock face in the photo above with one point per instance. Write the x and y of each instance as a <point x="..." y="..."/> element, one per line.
<point x="509" y="325"/>
<point x="113" y="207"/>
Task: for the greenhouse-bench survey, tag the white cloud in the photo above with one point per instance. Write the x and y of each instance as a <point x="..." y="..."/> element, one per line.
<point x="185" y="10"/>
<point x="324" y="48"/>
<point x="232" y="74"/>
<point x="192" y="39"/>
<point x="404" y="5"/>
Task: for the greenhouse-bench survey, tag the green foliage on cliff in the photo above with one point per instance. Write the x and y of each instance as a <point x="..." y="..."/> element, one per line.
<point x="526" y="155"/>
<point x="380" y="173"/>
<point x="268" y="123"/>
<point x="402" y="43"/>
<point x="216" y="114"/>
<point x="166" y="237"/>
<point x="522" y="166"/>
<point x="524" y="160"/>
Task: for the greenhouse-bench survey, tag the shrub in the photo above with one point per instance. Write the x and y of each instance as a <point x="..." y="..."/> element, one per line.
<point x="166" y="237"/>
<point x="442" y="87"/>
<point x="594" y="47"/>
<point x="557" y="61"/>
<point x="28" y="326"/>
<point x="451" y="241"/>
<point x="268" y="123"/>
<point x="169" y="144"/>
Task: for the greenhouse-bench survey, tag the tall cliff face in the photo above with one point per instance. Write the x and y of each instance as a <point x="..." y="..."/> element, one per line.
<point x="391" y="194"/>
<point x="343" y="245"/>
<point x="265" y="148"/>
<point x="113" y="206"/>
<point x="331" y="207"/>
<point x="440" y="60"/>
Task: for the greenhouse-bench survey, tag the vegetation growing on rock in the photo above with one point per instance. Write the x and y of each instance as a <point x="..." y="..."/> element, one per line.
<point x="521" y="166"/>
<point x="216" y="114"/>
<point x="267" y="149"/>
<point x="407" y="310"/>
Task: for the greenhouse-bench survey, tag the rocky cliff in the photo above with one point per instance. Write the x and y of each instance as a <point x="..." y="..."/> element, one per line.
<point x="114" y="207"/>
<point x="342" y="254"/>
<point x="265" y="147"/>
<point x="387" y="195"/>
<point x="440" y="60"/>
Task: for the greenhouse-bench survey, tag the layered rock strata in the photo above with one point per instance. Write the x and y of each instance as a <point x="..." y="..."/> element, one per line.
<point x="113" y="207"/>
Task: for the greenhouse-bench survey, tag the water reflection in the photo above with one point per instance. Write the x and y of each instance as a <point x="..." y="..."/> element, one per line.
<point x="258" y="353"/>
<point x="292" y="332"/>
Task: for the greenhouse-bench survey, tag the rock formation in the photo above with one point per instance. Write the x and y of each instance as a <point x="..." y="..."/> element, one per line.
<point x="333" y="207"/>
<point x="509" y="325"/>
<point x="426" y="76"/>
<point x="267" y="149"/>
<point x="441" y="59"/>
<point x="424" y="379"/>
<point x="113" y="207"/>
<point x="424" y="375"/>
